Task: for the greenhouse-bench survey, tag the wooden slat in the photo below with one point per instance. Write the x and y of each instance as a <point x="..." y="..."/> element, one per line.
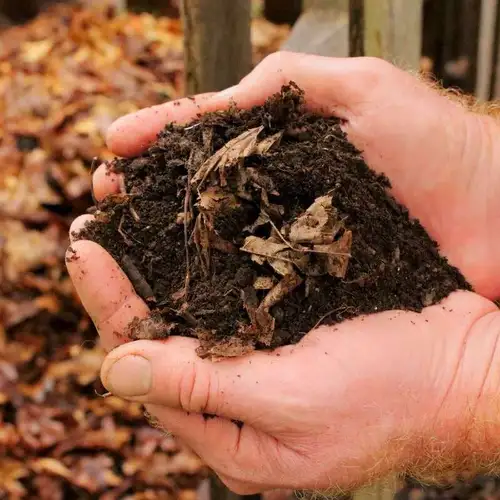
<point x="322" y="29"/>
<point x="393" y="31"/>
<point x="495" y="73"/>
<point x="357" y="37"/>
<point x="217" y="47"/>
<point x="485" y="63"/>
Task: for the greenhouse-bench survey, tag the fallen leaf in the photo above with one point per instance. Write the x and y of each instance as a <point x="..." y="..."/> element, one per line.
<point x="318" y="225"/>
<point x="263" y="283"/>
<point x="268" y="143"/>
<point x="10" y="472"/>
<point x="211" y="347"/>
<point x="50" y="466"/>
<point x="227" y="156"/>
<point x="336" y="255"/>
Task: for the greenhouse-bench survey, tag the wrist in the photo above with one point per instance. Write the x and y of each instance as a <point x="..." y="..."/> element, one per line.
<point x="464" y="436"/>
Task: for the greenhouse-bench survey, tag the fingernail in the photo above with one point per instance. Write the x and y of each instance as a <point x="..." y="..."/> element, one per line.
<point x="129" y="376"/>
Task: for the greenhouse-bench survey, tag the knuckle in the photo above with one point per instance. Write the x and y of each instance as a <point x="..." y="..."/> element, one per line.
<point x="276" y="62"/>
<point x="195" y="389"/>
<point x="376" y="66"/>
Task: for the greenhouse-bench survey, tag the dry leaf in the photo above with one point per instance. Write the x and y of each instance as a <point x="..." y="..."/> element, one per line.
<point x="336" y="255"/>
<point x="10" y="473"/>
<point x="211" y="347"/>
<point x="267" y="144"/>
<point x="263" y="283"/>
<point x="318" y="225"/>
<point x="50" y="466"/>
<point x="228" y="155"/>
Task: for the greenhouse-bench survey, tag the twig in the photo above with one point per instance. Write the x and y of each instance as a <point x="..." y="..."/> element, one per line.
<point x="139" y="283"/>
<point x="122" y="232"/>
<point x="121" y="184"/>
<point x="328" y="314"/>
<point x="93" y="168"/>
<point x="193" y="126"/>
<point x="186" y="228"/>
<point x="282" y="238"/>
<point x="134" y="214"/>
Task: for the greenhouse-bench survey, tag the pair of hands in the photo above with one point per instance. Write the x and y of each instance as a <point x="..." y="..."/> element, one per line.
<point x="390" y="391"/>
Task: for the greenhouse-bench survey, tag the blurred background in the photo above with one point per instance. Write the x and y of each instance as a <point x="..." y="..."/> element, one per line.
<point x="67" y="71"/>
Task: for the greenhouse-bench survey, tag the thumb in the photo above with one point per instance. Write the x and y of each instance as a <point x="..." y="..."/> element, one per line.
<point x="171" y="374"/>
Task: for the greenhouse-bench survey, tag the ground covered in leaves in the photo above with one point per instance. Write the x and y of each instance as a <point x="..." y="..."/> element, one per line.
<point x="64" y="78"/>
<point x="247" y="229"/>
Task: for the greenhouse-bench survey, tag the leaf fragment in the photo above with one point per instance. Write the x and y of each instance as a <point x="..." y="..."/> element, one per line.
<point x="318" y="225"/>
<point x="228" y="155"/>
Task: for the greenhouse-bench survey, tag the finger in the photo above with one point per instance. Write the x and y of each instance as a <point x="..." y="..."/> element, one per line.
<point x="241" y="456"/>
<point x="77" y="225"/>
<point x="330" y="85"/>
<point x="132" y="134"/>
<point x="170" y="373"/>
<point x="105" y="291"/>
<point x="105" y="182"/>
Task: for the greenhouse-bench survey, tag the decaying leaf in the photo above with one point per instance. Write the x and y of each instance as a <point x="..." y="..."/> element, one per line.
<point x="214" y="200"/>
<point x="211" y="347"/>
<point x="263" y="283"/>
<point x="50" y="466"/>
<point x="268" y="143"/>
<point x="262" y="322"/>
<point x="11" y="471"/>
<point x="318" y="225"/>
<point x="280" y="256"/>
<point x="336" y="255"/>
<point x="228" y="155"/>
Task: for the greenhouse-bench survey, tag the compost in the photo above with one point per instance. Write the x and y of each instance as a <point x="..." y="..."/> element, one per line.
<point x="248" y="228"/>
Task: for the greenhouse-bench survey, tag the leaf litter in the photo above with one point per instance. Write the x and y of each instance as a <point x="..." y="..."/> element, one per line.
<point x="254" y="226"/>
<point x="64" y="78"/>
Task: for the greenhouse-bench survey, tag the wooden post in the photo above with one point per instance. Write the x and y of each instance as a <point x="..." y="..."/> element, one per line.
<point x="356" y="28"/>
<point x="322" y="29"/>
<point x="217" y="47"/>
<point x="486" y="50"/>
<point x="393" y="31"/>
<point x="495" y="73"/>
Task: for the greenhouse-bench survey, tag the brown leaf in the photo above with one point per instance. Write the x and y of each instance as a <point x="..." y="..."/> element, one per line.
<point x="267" y="144"/>
<point x="50" y="466"/>
<point x="279" y="255"/>
<point x="281" y="290"/>
<point x="211" y="347"/>
<point x="318" y="225"/>
<point x="214" y="200"/>
<point x="10" y="472"/>
<point x="94" y="474"/>
<point x="263" y="283"/>
<point x="25" y="249"/>
<point x="336" y="255"/>
<point x="228" y="155"/>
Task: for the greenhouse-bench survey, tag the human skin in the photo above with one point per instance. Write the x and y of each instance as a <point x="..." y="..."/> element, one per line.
<point x="351" y="403"/>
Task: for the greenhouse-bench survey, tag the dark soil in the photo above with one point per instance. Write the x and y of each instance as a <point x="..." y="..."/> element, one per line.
<point x="182" y="248"/>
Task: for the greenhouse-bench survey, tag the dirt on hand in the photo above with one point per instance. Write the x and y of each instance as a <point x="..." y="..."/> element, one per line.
<point x="248" y="228"/>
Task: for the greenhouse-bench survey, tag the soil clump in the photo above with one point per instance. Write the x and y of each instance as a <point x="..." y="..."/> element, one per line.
<point x="248" y="228"/>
